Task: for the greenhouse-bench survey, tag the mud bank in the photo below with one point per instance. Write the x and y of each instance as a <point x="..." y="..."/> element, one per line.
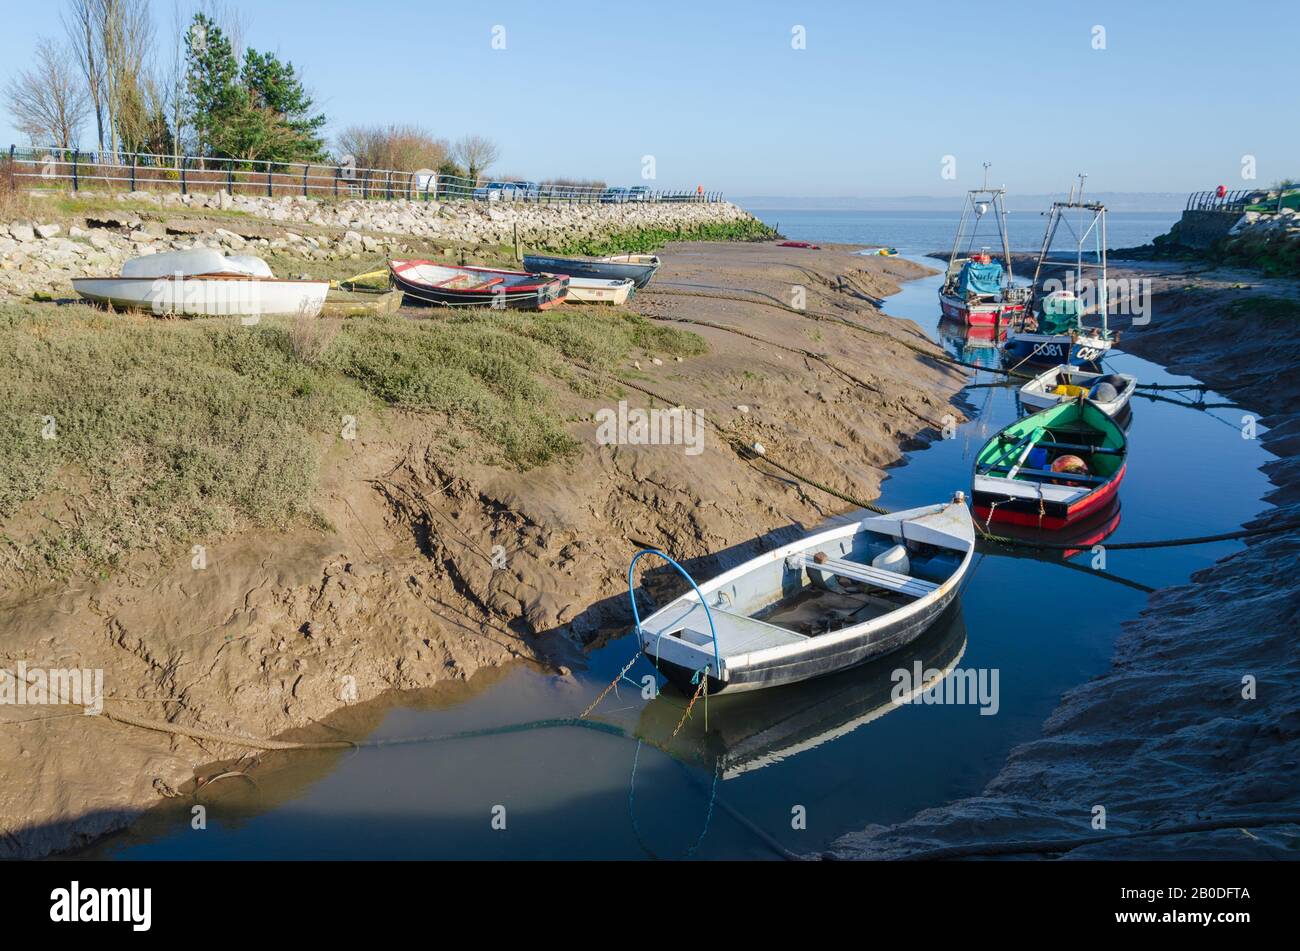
<point x="1167" y="741"/>
<point x="434" y="570"/>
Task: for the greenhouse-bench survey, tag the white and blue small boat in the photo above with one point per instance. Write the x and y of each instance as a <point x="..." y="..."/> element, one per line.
<point x="830" y="601"/>
<point x="638" y="268"/>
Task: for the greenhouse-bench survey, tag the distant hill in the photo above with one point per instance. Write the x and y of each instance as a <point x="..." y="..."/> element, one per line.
<point x="1114" y="201"/>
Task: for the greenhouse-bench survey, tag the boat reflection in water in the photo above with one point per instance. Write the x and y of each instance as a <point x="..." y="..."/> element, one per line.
<point x="1079" y="537"/>
<point x="977" y="345"/>
<point x="747" y="731"/>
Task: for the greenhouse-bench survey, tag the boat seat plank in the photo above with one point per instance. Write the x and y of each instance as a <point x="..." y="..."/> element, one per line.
<point x="877" y="577"/>
<point x="1080" y="447"/>
<point x="737" y="634"/>
<point x="1049" y="474"/>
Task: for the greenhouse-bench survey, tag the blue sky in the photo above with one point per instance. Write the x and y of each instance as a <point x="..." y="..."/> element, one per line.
<point x="881" y="94"/>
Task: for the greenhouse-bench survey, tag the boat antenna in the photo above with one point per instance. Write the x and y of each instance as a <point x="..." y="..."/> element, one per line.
<point x="986" y="175"/>
<point x="1083" y="178"/>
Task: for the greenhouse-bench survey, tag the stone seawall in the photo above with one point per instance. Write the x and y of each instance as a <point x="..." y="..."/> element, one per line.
<point x="1200" y="229"/>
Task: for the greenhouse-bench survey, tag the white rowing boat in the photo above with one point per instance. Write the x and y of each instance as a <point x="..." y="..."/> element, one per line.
<point x="203" y="283"/>
<point x="825" y="603"/>
<point x="1109" y="392"/>
<point x="583" y="290"/>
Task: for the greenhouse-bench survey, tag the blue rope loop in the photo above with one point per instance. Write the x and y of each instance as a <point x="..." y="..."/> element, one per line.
<point x="636" y="615"/>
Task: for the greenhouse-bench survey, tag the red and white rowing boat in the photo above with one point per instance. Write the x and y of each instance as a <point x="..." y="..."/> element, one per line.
<point x="452" y="285"/>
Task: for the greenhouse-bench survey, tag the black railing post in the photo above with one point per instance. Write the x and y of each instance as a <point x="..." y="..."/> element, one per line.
<point x="305" y="170"/>
<point x="184" y="184"/>
<point x="230" y="178"/>
<point x="270" y="182"/>
<point x="133" y="161"/>
<point x="76" y="183"/>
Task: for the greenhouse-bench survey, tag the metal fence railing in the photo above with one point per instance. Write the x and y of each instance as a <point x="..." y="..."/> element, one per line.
<point x="1228" y="201"/>
<point x="54" y="167"/>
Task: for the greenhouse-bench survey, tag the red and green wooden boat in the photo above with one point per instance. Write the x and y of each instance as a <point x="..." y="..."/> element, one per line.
<point x="1052" y="469"/>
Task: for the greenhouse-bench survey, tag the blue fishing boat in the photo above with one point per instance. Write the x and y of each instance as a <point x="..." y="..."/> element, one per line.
<point x="638" y="268"/>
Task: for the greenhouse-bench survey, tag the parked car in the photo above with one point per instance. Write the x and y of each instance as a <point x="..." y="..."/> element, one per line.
<point x="638" y="193"/>
<point x="508" y="191"/>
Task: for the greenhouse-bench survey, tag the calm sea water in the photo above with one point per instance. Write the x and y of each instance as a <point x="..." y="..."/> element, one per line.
<point x="923" y="232"/>
<point x="834" y="748"/>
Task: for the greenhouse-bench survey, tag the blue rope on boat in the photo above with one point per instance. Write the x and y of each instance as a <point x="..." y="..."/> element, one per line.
<point x="636" y="615"/>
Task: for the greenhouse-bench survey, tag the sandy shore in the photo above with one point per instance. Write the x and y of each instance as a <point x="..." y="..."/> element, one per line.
<point x="1165" y="740"/>
<point x="406" y="592"/>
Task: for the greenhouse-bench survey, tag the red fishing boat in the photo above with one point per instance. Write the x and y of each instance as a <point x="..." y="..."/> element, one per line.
<point x="978" y="289"/>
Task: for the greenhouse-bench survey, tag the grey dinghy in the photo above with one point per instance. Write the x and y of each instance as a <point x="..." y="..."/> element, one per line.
<point x="822" y="604"/>
<point x="638" y="268"/>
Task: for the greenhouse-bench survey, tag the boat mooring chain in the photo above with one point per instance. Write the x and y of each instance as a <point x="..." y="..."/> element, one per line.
<point x="702" y="689"/>
<point x="612" y="684"/>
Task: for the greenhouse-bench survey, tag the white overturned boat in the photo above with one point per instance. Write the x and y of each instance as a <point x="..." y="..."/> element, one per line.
<point x="203" y="283"/>
<point x="585" y="290"/>
<point x="1109" y="392"/>
<point x="822" y="604"/>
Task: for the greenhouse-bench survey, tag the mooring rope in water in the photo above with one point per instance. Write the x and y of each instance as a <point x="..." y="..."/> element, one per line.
<point x="263" y="743"/>
<point x="598" y="726"/>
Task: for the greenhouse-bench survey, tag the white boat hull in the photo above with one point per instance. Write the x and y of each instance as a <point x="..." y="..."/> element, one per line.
<point x="206" y="296"/>
<point x="1037" y="393"/>
<point x="594" y="291"/>
<point x="741" y="652"/>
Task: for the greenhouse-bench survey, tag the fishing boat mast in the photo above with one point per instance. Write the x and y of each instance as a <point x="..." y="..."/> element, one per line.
<point x="976" y="197"/>
<point x="1096" y="227"/>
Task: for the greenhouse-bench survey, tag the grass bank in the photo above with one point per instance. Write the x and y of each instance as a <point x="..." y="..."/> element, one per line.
<point x="647" y="240"/>
<point x="121" y="434"/>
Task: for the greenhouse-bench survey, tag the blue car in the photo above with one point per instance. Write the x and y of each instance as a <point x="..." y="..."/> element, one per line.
<point x="508" y="191"/>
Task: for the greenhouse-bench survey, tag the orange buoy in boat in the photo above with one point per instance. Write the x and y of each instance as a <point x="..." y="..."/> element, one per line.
<point x="1071" y="464"/>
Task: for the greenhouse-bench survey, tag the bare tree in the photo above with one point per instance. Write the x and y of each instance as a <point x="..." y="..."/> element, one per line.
<point x="113" y="41"/>
<point x="127" y="45"/>
<point x="82" y="20"/>
<point x="48" y="101"/>
<point x="406" y="148"/>
<point x="476" y="154"/>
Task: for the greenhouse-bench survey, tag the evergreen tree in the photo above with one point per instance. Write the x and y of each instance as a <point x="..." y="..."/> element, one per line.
<point x="275" y="89"/>
<point x="211" y="81"/>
